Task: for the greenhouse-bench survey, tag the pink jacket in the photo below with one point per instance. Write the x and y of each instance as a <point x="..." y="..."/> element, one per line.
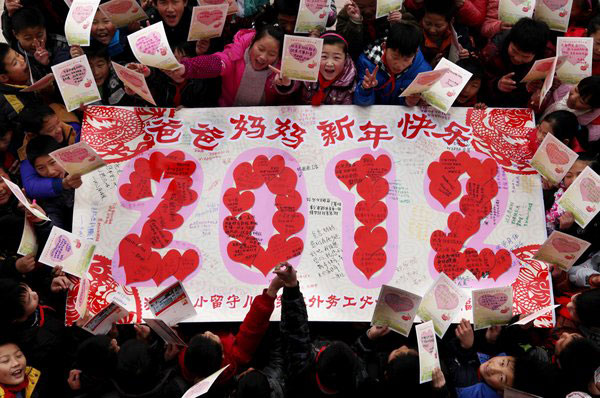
<point x="491" y="25"/>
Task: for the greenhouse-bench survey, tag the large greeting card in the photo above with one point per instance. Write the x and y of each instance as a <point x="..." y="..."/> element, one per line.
<point x="384" y="7"/>
<point x="553" y="159"/>
<point x="76" y="82"/>
<point x="578" y="64"/>
<point x="151" y="47"/>
<point x="135" y="81"/>
<point x="428" y="352"/>
<point x="491" y="306"/>
<point x="28" y="244"/>
<point x="582" y="198"/>
<point x="510" y="11"/>
<point x="445" y="91"/>
<point x="207" y="22"/>
<point x="539" y="70"/>
<point x="232" y="5"/>
<point x="555" y="13"/>
<point x="396" y="309"/>
<point x="123" y="12"/>
<point x="172" y="305"/>
<point x="562" y="250"/>
<point x="312" y="15"/>
<point x="301" y="58"/>
<point x="78" y="158"/>
<point x="72" y="253"/>
<point x="78" y="24"/>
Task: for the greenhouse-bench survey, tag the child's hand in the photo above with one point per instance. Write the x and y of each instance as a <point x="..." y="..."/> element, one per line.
<point x="25" y="264"/>
<point x="506" y="84"/>
<point x="75" y="51"/>
<point x="353" y="11"/>
<point x="280" y="80"/>
<point x="555" y="271"/>
<point x="465" y="334"/>
<point x="31" y="217"/>
<point x="413" y="99"/>
<point x="546" y="184"/>
<point x="59" y="284"/>
<point x="438" y="380"/>
<point x="370" y="79"/>
<point x="594" y="281"/>
<point x="459" y="3"/>
<point x="492" y="333"/>
<point x="73" y="379"/>
<point x="12" y="6"/>
<point x="463" y="53"/>
<point x="177" y="75"/>
<point x="275" y="285"/>
<point x="41" y="54"/>
<point x="143" y="69"/>
<point x="72" y="181"/>
<point x="376" y="332"/>
<point x="534" y="85"/>
<point x="146" y="4"/>
<point x="481" y="106"/>
<point x="171" y="352"/>
<point x="566" y="221"/>
<point x="394" y="17"/>
<point x="142" y="332"/>
<point x="505" y="26"/>
<point x="287" y="273"/>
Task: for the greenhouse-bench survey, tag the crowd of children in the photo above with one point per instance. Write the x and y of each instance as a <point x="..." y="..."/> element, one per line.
<point x="365" y="60"/>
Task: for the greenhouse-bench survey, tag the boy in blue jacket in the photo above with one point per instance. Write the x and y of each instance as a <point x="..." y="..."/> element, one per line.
<point x="386" y="68"/>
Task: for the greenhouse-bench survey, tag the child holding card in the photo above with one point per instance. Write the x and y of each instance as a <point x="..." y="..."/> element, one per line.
<point x="561" y="124"/>
<point x="115" y="40"/>
<point x="470" y="95"/>
<point x="285" y="13"/>
<point x="109" y="85"/>
<point x="176" y="16"/>
<point x="586" y="274"/>
<point x="14" y="76"/>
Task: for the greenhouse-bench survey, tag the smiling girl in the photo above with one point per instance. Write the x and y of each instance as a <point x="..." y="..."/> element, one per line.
<point x="16" y="378"/>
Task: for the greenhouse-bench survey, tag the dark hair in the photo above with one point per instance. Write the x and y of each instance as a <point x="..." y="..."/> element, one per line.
<point x="588" y="5"/>
<point x="564" y="124"/>
<point x="4" y="50"/>
<point x="589" y="90"/>
<point x="473" y="65"/>
<point x="203" y="356"/>
<point x="97" y="50"/>
<point x="136" y="370"/>
<point x="287" y="7"/>
<point x="5" y="127"/>
<point x="271" y="30"/>
<point x="187" y="47"/>
<point x="404" y="38"/>
<point x="95" y="357"/>
<point x="532" y="375"/>
<point x="588" y="301"/>
<point x="40" y="146"/>
<point x="336" y="367"/>
<point x="11" y="297"/>
<point x="529" y="36"/>
<point x="332" y="39"/>
<point x="253" y="384"/>
<point x="445" y="8"/>
<point x="32" y="117"/>
<point x="402" y="373"/>
<point x="27" y="17"/>
<point x="578" y="361"/>
<point x="594" y="25"/>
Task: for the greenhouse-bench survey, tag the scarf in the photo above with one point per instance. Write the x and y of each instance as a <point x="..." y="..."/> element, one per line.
<point x="11" y="391"/>
<point x="320" y="95"/>
<point x="392" y="78"/>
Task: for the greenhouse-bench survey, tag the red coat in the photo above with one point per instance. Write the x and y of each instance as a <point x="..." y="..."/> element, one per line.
<point x="472" y="13"/>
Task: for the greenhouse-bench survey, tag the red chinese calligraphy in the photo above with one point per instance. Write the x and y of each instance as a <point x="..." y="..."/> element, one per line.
<point x="454" y="132"/>
<point x="290" y="133"/>
<point x="375" y="133"/>
<point x="167" y="130"/>
<point x="336" y="130"/>
<point x="255" y="130"/>
<point x="206" y="136"/>
<point x="412" y="124"/>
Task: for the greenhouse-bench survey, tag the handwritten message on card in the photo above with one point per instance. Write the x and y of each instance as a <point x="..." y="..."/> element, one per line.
<point x="396" y="308"/>
<point x="72" y="253"/>
<point x="151" y="47"/>
<point x="492" y="306"/>
<point x="555" y="13"/>
<point x="207" y="22"/>
<point x="553" y="159"/>
<point x="78" y="24"/>
<point x="172" y="305"/>
<point x="582" y="198"/>
<point x="510" y="11"/>
<point x="578" y="64"/>
<point x="301" y="58"/>
<point x="123" y="12"/>
<point x="76" y="82"/>
<point x="428" y="352"/>
<point x="135" y="81"/>
<point x="312" y="15"/>
<point x="562" y="250"/>
<point x="78" y="158"/>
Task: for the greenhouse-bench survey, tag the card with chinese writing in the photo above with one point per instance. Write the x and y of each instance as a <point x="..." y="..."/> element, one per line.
<point x="539" y="70"/>
<point x="79" y="158"/>
<point x="553" y="159"/>
<point x="165" y="332"/>
<point x="384" y="7"/>
<point x="232" y="6"/>
<point x="28" y="243"/>
<point x="428" y="352"/>
<point x="40" y="84"/>
<point x="16" y="190"/>
<point x="423" y="82"/>
<point x="82" y="296"/>
<point x="78" y="24"/>
<point x="582" y="198"/>
<point x="123" y="12"/>
<point x="555" y="13"/>
<point x="396" y="309"/>
<point x="301" y="58"/>
<point x="102" y="322"/>
<point x="207" y="22"/>
<point x="444" y="92"/>
<point x="203" y="386"/>
<point x="578" y="64"/>
<point x="441" y="303"/>
<point x="151" y="47"/>
<point x="492" y="306"/>
<point x="76" y="82"/>
<point x="135" y="81"/>
<point x="172" y="305"/>
<point x="72" y="253"/>
<point x="562" y="250"/>
<point x="312" y="15"/>
<point x="533" y="316"/>
<point x="512" y="393"/>
<point x="510" y="11"/>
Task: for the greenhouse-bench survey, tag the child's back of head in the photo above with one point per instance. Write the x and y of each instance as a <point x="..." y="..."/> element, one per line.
<point x="39" y="146"/>
<point x="533" y="375"/>
<point x="337" y="367"/>
<point x="12" y="294"/>
<point x="136" y="370"/>
<point x="203" y="356"/>
<point x="529" y="36"/>
<point x="589" y="91"/>
<point x="253" y="384"/>
<point x="578" y="361"/>
<point x="96" y="360"/>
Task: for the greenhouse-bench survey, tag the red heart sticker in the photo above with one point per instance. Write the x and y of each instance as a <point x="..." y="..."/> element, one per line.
<point x="282" y="249"/>
<point x="246" y="178"/>
<point x="169" y="266"/>
<point x="449" y="263"/>
<point x="239" y="229"/>
<point x="291" y="202"/>
<point x="373" y="189"/>
<point x="179" y="191"/>
<point x="154" y="235"/>
<point x="188" y="264"/>
<point x="166" y="215"/>
<point x="463" y="227"/>
<point x="375" y="168"/>
<point x="244" y="253"/>
<point x="264" y="261"/>
<point x="268" y="169"/>
<point x="442" y="243"/>
<point x="502" y="263"/>
<point x="137" y="258"/>
<point x="237" y="203"/>
<point x="370" y="240"/>
<point x="138" y="188"/>
<point x="142" y="167"/>
<point x="369" y="262"/>
<point x="370" y="213"/>
<point x="156" y="161"/>
<point x="348" y="174"/>
<point x="284" y="184"/>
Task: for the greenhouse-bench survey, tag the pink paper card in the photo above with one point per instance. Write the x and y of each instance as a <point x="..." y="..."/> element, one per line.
<point x="423" y="81"/>
<point x="492" y="306"/>
<point x="232" y="6"/>
<point x="312" y="14"/>
<point x="78" y="24"/>
<point x="441" y="303"/>
<point x="301" y="58"/>
<point x="555" y="13"/>
<point x="444" y="92"/>
<point x="135" y="81"/>
<point x="166" y="332"/>
<point x="553" y="159"/>
<point x="72" y="253"/>
<point x="384" y="7"/>
<point x="582" y="198"/>
<point x="561" y="250"/>
<point x="534" y="315"/>
<point x="40" y="84"/>
<point x="550" y="78"/>
<point x="578" y="64"/>
<point x="207" y="22"/>
<point x="16" y="190"/>
<point x="428" y="352"/>
<point x="82" y="296"/>
<point x="512" y="393"/>
<point x="29" y="244"/>
<point x="76" y="82"/>
<point x="123" y="12"/>
<point x="539" y="70"/>
<point x="172" y="305"/>
<point x="102" y="322"/>
<point x="151" y="47"/>
<point x="396" y="309"/>
<point x="78" y="158"/>
<point x="510" y="11"/>
<point x="203" y="386"/>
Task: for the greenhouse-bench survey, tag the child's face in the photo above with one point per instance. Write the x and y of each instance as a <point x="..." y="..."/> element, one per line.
<point x="100" y="69"/>
<point x="596" y="37"/>
<point x="333" y="59"/>
<point x="47" y="167"/>
<point x="471" y="89"/>
<point x="396" y="62"/>
<point x="103" y="29"/>
<point x="4" y="190"/>
<point x="12" y="365"/>
<point x="498" y="372"/>
<point x="202" y="46"/>
<point x="434" y="25"/>
<point x="17" y="71"/>
<point x="171" y="10"/>
<point x="30" y="302"/>
<point x="287" y="23"/>
<point x="264" y="52"/>
<point x="5" y="141"/>
<point x="518" y="56"/>
<point x="574" y="172"/>
<point x="564" y="340"/>
<point x="52" y="128"/>
<point x="29" y="37"/>
<point x="571" y="306"/>
<point x="574" y="101"/>
<point x="543" y="130"/>
<point x="179" y="54"/>
<point x="398" y="352"/>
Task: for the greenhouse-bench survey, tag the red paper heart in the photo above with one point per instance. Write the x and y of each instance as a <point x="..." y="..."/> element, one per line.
<point x="177" y="156"/>
<point x="373" y="189"/>
<point x="156" y="161"/>
<point x="188" y="264"/>
<point x="138" y="259"/>
<point x="482" y="171"/>
<point x="502" y="264"/>
<point x="288" y="223"/>
<point x="369" y="262"/>
<point x="449" y="263"/>
<point x="482" y="191"/>
<point x="154" y="235"/>
<point x="370" y="240"/>
<point x="291" y="202"/>
<point x="264" y="261"/>
<point x="471" y="207"/>
<point x="474" y="263"/>
<point x="246" y="178"/>
<point x="142" y="167"/>
<point x="284" y="184"/>
<point x="173" y="168"/>
<point x="179" y="191"/>
<point x="375" y="168"/>
<point x="349" y="174"/>
<point x="282" y="249"/>
<point x="463" y="227"/>
<point x="237" y="203"/>
<point x="138" y="188"/>
<point x="166" y="215"/>
<point x="448" y="165"/>
<point x="239" y="229"/>
<point x="244" y="253"/>
<point x="442" y="243"/>
<point x="268" y="169"/>
<point x="169" y="266"/>
<point x="370" y="213"/>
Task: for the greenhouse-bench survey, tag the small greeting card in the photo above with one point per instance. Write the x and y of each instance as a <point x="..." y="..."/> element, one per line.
<point x="555" y="13"/>
<point x="16" y="190"/>
<point x="123" y="12"/>
<point x="492" y="306"/>
<point x="561" y="250"/>
<point x="82" y="296"/>
<point x="301" y="58"/>
<point x="40" y="84"/>
<point x="207" y="22"/>
<point x="445" y="91"/>
<point x="428" y="352"/>
<point x="441" y="303"/>
<point x="76" y="82"/>
<point x="204" y="385"/>
<point x="423" y="82"/>
<point x="166" y="332"/>
<point x="135" y="81"/>
<point x="28" y="243"/>
<point x="78" y="158"/>
<point x="102" y="322"/>
<point x="550" y="78"/>
<point x="578" y="64"/>
<point x="582" y="198"/>
<point x="72" y="253"/>
<point x="396" y="309"/>
<point x="510" y="11"/>
<point x="172" y="305"/>
<point x="534" y="315"/>
<point x="384" y="7"/>
<point x="539" y="70"/>
<point x="232" y="6"/>
<point x="312" y="14"/>
<point x="78" y="24"/>
<point x="151" y="47"/>
<point x="512" y="393"/>
<point x="553" y="159"/>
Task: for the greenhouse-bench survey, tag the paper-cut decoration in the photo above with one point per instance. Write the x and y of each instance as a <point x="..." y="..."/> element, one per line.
<point x="578" y="52"/>
<point x="301" y="58"/>
<point x="562" y="250"/>
<point x="123" y="12"/>
<point x="492" y="306"/>
<point x="553" y="159"/>
<point x="151" y="47"/>
<point x="312" y="15"/>
<point x="428" y="352"/>
<point x="78" y="158"/>
<point x="582" y="198"/>
<point x="207" y="22"/>
<point x="76" y="82"/>
<point x="72" y="253"/>
<point x="78" y="24"/>
<point x="396" y="308"/>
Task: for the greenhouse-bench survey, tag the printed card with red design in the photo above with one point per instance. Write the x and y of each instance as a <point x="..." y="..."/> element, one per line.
<point x="172" y="305"/>
<point x="533" y="316"/>
<point x="396" y="309"/>
<point x="207" y="22"/>
<point x="232" y="5"/>
<point x="301" y="58"/>
<point x="555" y="13"/>
<point x="123" y="12"/>
<point x="76" y="82"/>
<point x="445" y="91"/>
<point x="562" y="250"/>
<point x="578" y="64"/>
<point x="512" y="393"/>
<point x="102" y="322"/>
<point x="203" y="386"/>
<point x="16" y="190"/>
<point x="384" y="7"/>
<point x="135" y="81"/>
<point x="28" y="243"/>
<point x="167" y="333"/>
<point x="78" y="24"/>
<point x="582" y="198"/>
<point x="441" y="303"/>
<point x="553" y="159"/>
<point x="510" y="11"/>
<point x="79" y="158"/>
<point x="423" y="82"/>
<point x="539" y="70"/>
<point x="312" y="15"/>
<point x="151" y="47"/>
<point x="429" y="358"/>
<point x="492" y="306"/>
<point x="72" y="253"/>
